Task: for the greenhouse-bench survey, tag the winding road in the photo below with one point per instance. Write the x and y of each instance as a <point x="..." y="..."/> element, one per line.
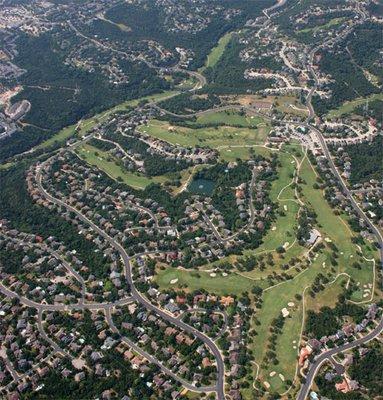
<point x="314" y="368"/>
<point x="136" y="295"/>
<point x="326" y="356"/>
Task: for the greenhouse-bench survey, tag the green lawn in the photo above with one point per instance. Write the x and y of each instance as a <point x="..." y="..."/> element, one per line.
<point x="6" y="165"/>
<point x="217" y="51"/>
<point x="218" y="137"/>
<point x="222" y="285"/>
<point x="327" y="296"/>
<point x="187" y="83"/>
<point x="106" y="163"/>
<point x="273" y="301"/>
<point x="335" y="228"/>
<point x="349" y="106"/>
<point x="59" y="137"/>
<point x="230" y="118"/>
<point x="332" y="227"/>
<point x="333" y="22"/>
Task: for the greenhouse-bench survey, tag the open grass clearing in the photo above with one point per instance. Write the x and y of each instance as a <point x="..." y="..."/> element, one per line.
<point x="327" y="297"/>
<point x="106" y="163"/>
<point x="222" y="137"/>
<point x="231" y="153"/>
<point x="60" y="137"/>
<point x="217" y="51"/>
<point x="349" y="106"/>
<point x="6" y="165"/>
<point x="222" y="285"/>
<point x="229" y="118"/>
<point x="330" y="24"/>
<point x="274" y="300"/>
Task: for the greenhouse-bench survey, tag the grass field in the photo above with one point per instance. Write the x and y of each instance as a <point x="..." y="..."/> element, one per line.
<point x="230" y="118"/>
<point x="332" y="227"/>
<point x="330" y="24"/>
<point x="217" y="51"/>
<point x="286" y="104"/>
<point x="6" y="165"/>
<point x="223" y="285"/>
<point x="106" y="163"/>
<point x="335" y="228"/>
<point x="187" y="84"/>
<point x="222" y="138"/>
<point x="60" y="137"/>
<point x="274" y="300"/>
<point x="349" y="106"/>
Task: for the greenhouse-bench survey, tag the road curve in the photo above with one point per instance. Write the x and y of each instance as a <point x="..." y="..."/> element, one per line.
<point x="153" y="360"/>
<point x="136" y="295"/>
<point x="326" y="356"/>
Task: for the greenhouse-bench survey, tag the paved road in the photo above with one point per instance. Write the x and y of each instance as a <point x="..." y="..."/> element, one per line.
<point x="323" y="142"/>
<point x="136" y="295"/>
<point x="279" y="4"/>
<point x="63" y="307"/>
<point x="153" y="360"/>
<point x="217" y="311"/>
<point x="252" y="215"/>
<point x="52" y="343"/>
<point x="328" y="354"/>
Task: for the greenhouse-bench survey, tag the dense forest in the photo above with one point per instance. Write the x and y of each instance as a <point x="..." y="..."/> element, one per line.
<point x="186" y="103"/>
<point x="152" y="25"/>
<point x="328" y="320"/>
<point x="223" y="197"/>
<point x="368" y="371"/>
<point x="227" y="76"/>
<point x="366" y="160"/>
<point x="21" y="141"/>
<point x="373" y="110"/>
<point x="61" y="95"/>
<point x="365" y="46"/>
<point x="348" y="80"/>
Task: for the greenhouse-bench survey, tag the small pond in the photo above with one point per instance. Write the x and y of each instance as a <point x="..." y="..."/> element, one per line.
<point x="201" y="186"/>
